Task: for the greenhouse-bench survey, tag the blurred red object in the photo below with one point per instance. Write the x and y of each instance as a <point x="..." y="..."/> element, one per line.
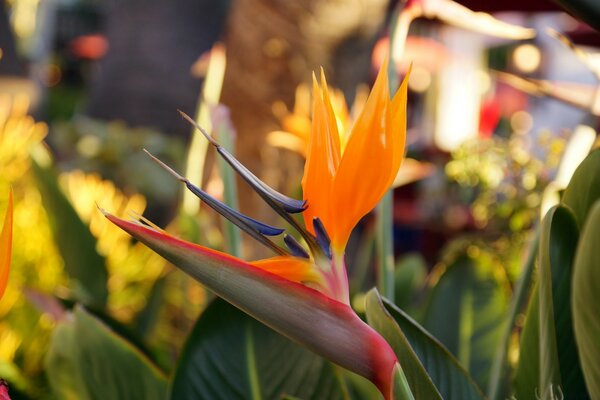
<point x="420" y="51"/>
<point x="489" y="116"/>
<point x="89" y="47"/>
<point x="4" y="390"/>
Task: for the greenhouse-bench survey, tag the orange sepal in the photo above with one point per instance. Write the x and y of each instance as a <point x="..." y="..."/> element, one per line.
<point x="398" y="126"/>
<point x="322" y="160"/>
<point x="291" y="268"/>
<point x="6" y="245"/>
<point x="364" y="172"/>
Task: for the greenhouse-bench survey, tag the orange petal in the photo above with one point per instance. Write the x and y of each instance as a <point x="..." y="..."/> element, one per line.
<point x="332" y="121"/>
<point x="291" y="268"/>
<point x="322" y="160"/>
<point x="398" y="126"/>
<point x="6" y="244"/>
<point x="366" y="166"/>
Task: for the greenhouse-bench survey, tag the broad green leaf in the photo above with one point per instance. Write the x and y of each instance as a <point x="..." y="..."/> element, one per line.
<point x="559" y="364"/>
<point x="359" y="387"/>
<point x="146" y="319"/>
<point x="548" y="357"/>
<point x="585" y="304"/>
<point x="449" y="377"/>
<point x="411" y="272"/>
<point x="62" y="369"/>
<point x="466" y="312"/>
<point x="87" y="360"/>
<point x="401" y="389"/>
<point x="527" y="374"/>
<point x="419" y="381"/>
<point x="500" y="375"/>
<point x="77" y="246"/>
<point x="584" y="188"/>
<point x="230" y="355"/>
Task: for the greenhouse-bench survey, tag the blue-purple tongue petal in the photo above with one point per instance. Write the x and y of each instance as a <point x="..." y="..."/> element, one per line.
<point x="232" y="214"/>
<point x="295" y="247"/>
<point x="254" y="228"/>
<point x="289" y="204"/>
<point x="322" y="236"/>
<point x="270" y="195"/>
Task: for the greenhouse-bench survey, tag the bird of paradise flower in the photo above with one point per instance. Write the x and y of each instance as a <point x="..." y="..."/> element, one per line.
<point x="302" y="292"/>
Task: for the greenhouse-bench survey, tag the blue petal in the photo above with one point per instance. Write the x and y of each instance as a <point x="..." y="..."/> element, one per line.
<point x="289" y="204"/>
<point x="295" y="247"/>
<point x="322" y="236"/>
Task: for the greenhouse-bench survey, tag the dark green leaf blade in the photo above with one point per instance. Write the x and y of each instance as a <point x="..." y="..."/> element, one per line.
<point x="526" y="379"/>
<point x="585" y="304"/>
<point x="558" y="353"/>
<point x="419" y="381"/>
<point x="501" y="374"/>
<point x="449" y="377"/>
<point x="466" y="312"/>
<point x="548" y="357"/>
<point x="230" y="355"/>
<point x="101" y="364"/>
<point x="584" y="188"/>
<point x="77" y="246"/>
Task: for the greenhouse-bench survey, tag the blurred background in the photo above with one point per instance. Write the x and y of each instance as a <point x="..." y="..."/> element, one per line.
<point x="501" y="110"/>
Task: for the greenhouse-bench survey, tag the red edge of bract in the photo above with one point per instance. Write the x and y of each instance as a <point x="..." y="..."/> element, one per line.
<point x="138" y="230"/>
<point x="384" y="359"/>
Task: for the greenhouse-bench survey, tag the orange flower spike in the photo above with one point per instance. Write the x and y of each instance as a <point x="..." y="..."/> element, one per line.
<point x="332" y="119"/>
<point x="399" y="124"/>
<point x="6" y="245"/>
<point x="364" y="172"/>
<point x="322" y="160"/>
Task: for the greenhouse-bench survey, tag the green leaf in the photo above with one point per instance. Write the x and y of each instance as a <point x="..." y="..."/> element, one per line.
<point x="77" y="246"/>
<point x="61" y="366"/>
<point x="547" y="356"/>
<point x="401" y="390"/>
<point x="466" y="312"/>
<point x="526" y="379"/>
<point x="449" y="377"/>
<point x="419" y="381"/>
<point x="87" y="360"/>
<point x="146" y="319"/>
<point x="411" y="272"/>
<point x="230" y="355"/>
<point x="500" y="374"/>
<point x="558" y="354"/>
<point x="585" y="304"/>
<point x="584" y="187"/>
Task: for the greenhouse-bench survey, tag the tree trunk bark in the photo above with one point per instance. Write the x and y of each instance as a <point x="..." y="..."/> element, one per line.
<point x="272" y="46"/>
